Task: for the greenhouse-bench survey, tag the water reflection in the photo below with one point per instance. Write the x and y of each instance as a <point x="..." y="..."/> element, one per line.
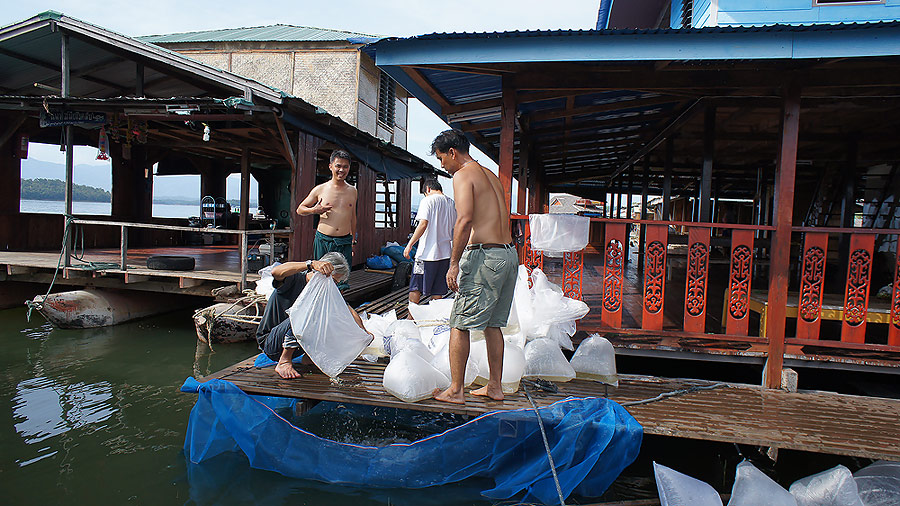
<point x="43" y="408"/>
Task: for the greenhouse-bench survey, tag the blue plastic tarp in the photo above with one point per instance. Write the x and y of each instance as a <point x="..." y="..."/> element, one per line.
<point x="591" y="439"/>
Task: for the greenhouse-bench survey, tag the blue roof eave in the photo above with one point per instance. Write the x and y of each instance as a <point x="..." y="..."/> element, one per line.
<point x="749" y="43"/>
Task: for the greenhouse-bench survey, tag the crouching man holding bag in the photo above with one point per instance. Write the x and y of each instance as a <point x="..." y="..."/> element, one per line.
<point x="274" y="335"/>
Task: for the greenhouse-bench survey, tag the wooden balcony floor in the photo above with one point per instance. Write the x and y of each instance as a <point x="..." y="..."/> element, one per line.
<point x="726" y="412"/>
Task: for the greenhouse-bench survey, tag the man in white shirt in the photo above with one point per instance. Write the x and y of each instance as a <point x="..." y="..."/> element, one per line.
<point x="436" y="216"/>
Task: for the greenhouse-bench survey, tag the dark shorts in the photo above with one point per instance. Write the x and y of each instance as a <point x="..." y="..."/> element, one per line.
<point x="280" y="337"/>
<point x="433" y="281"/>
<point x="324" y="243"/>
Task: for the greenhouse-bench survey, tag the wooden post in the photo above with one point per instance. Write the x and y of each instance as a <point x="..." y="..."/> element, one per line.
<point x="123" y="246"/>
<point x="628" y="215"/>
<point x="245" y="188"/>
<point x="848" y="201"/>
<point x="70" y="164"/>
<point x="779" y="268"/>
<point x="507" y="138"/>
<point x="244" y="248"/>
<point x="535" y="185"/>
<point x="139" y="80"/>
<point x="667" y="181"/>
<point x="524" y="162"/>
<point x="709" y="134"/>
<point x="645" y="189"/>
<point x="302" y="182"/>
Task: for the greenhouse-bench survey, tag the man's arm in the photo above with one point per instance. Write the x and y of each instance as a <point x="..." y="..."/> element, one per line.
<point x="358" y="320"/>
<point x="420" y="229"/>
<point x="353" y="216"/>
<point x="311" y="205"/>
<point x="464" y="197"/>
<point x="280" y="272"/>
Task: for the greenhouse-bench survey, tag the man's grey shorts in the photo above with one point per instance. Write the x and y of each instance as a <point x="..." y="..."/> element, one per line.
<point x="487" y="283"/>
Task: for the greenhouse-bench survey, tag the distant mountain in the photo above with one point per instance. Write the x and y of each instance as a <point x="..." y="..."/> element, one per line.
<point x="54" y="189"/>
<point x="166" y="189"/>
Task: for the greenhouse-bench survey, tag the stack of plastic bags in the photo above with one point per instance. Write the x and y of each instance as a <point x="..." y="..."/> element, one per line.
<point x="875" y="485"/>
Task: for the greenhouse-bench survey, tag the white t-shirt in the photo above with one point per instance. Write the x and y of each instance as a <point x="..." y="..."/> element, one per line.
<point x="440" y="212"/>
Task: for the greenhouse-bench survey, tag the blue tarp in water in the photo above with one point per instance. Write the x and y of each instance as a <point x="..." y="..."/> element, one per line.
<point x="592" y="440"/>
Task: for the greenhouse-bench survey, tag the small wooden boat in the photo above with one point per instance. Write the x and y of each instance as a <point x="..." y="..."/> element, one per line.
<point x="230" y="322"/>
<point x="90" y="308"/>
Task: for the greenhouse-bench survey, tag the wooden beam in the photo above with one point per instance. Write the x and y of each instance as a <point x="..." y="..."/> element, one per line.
<point x="244" y="218"/>
<point x="779" y="270"/>
<point x="709" y="137"/>
<point x="471" y="106"/>
<point x="595" y="109"/>
<point x="425" y="84"/>
<point x="507" y="139"/>
<point x="667" y="181"/>
<point x="286" y="148"/>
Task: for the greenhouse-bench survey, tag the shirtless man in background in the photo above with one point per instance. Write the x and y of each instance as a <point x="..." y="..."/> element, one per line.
<point x="335" y="203"/>
<point x="484" y="259"/>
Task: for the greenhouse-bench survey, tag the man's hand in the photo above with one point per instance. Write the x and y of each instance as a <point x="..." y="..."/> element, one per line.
<point x="452" y="273"/>
<point x="323" y="267"/>
<point x="407" y="250"/>
<point x="321" y="208"/>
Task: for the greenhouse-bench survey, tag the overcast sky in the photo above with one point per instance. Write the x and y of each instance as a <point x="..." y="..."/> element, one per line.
<point x="386" y="17"/>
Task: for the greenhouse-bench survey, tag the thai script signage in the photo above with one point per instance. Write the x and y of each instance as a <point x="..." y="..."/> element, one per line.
<point x="62" y="118"/>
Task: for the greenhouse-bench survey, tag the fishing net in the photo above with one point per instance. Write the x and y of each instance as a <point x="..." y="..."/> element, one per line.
<point x="591" y="440"/>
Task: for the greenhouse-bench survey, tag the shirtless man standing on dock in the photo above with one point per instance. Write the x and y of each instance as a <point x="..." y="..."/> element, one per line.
<point x="484" y="259"/>
<point x="335" y="203"/>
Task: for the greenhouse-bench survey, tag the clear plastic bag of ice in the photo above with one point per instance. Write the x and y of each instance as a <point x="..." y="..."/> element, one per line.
<point x="878" y="484"/>
<point x="410" y="378"/>
<point x="677" y="489"/>
<point x="325" y="326"/>
<point x="513" y="365"/>
<point x="544" y="360"/>
<point x="441" y="362"/>
<point x="834" y="487"/>
<point x="595" y="359"/>
<point x="752" y="487"/>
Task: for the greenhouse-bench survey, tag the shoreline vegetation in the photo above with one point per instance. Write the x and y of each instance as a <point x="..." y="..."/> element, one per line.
<point x="55" y="190"/>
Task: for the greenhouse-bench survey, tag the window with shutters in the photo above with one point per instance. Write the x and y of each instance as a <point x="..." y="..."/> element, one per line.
<point x="387" y="94"/>
<point x="387" y="205"/>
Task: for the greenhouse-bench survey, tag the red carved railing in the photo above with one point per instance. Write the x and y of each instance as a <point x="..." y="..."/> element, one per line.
<point x="853" y="307"/>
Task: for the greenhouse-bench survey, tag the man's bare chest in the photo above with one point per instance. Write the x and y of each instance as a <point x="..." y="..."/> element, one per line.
<point x="338" y="199"/>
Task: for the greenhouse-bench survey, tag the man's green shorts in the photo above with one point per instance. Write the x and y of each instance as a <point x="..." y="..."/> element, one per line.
<point x="487" y="283"/>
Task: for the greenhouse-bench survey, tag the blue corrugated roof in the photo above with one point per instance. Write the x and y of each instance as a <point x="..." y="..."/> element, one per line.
<point x="280" y="32"/>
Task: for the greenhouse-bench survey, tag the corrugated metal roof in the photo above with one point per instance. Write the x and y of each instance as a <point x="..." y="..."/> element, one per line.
<point x="283" y="33"/>
<point x="594" y="33"/>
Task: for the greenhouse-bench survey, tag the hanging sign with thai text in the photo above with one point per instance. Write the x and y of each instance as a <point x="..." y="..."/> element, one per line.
<point x="63" y="118"/>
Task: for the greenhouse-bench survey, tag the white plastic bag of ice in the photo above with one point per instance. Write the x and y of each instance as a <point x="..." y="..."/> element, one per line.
<point x="325" y="326"/>
<point x="595" y="359"/>
<point x="550" y="305"/>
<point x="377" y="325"/>
<point x="441" y="362"/>
<point x="410" y="378"/>
<point x="398" y="333"/>
<point x="435" y="310"/>
<point x="753" y="488"/>
<point x="544" y="359"/>
<point x="879" y="483"/>
<point x="562" y="333"/>
<point x="513" y="365"/>
<point x="834" y="487"/>
<point x="555" y="234"/>
<point x="677" y="489"/>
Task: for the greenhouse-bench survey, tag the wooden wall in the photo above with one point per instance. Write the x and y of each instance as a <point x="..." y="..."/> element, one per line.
<point x="371" y="239"/>
<point x="757" y="12"/>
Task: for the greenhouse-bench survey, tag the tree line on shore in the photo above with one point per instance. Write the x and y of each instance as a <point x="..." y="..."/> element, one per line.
<point x="54" y="189"/>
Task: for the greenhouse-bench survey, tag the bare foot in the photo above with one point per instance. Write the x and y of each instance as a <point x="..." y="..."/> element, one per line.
<point x="494" y="393"/>
<point x="457" y="397"/>
<point x="286" y="370"/>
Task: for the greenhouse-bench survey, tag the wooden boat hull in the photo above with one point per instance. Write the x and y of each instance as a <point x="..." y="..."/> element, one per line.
<point x="227" y="323"/>
<point x="91" y="308"/>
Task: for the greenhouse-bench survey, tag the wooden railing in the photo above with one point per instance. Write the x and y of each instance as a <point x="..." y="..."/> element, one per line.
<point x="854" y="309"/>
<point x="243" y="235"/>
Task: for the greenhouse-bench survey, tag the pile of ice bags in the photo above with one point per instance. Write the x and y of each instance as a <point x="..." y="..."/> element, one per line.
<point x="540" y="326"/>
<point x="874" y="485"/>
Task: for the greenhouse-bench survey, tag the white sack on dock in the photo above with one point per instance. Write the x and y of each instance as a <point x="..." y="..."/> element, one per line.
<point x="264" y="284"/>
<point x="753" y="488"/>
<point x="676" y="489"/>
<point x="441" y="362"/>
<point x="544" y="360"/>
<point x="595" y="359"/>
<point x="834" y="487"/>
<point x="325" y="327"/>
<point x="410" y="378"/>
<point x="562" y="333"/>
<point x="378" y="326"/>
<point x="879" y="483"/>
<point x="435" y="310"/>
<point x="555" y="234"/>
<point x="513" y="365"/>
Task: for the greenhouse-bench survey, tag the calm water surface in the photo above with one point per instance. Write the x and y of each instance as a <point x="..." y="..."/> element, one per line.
<point x="95" y="417"/>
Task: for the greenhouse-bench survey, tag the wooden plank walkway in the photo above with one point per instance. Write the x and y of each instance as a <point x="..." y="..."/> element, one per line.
<point x="809" y="421"/>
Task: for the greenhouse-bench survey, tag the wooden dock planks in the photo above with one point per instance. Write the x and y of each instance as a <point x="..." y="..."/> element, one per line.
<point x="808" y="421"/>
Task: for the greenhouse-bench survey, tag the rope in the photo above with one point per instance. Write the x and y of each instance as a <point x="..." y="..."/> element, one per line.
<point x="32" y="305"/>
<point x="562" y="500"/>
<point x="674" y="393"/>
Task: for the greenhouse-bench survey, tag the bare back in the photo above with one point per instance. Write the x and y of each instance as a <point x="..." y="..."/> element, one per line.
<point x="336" y="222"/>
<point x="490" y="218"/>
